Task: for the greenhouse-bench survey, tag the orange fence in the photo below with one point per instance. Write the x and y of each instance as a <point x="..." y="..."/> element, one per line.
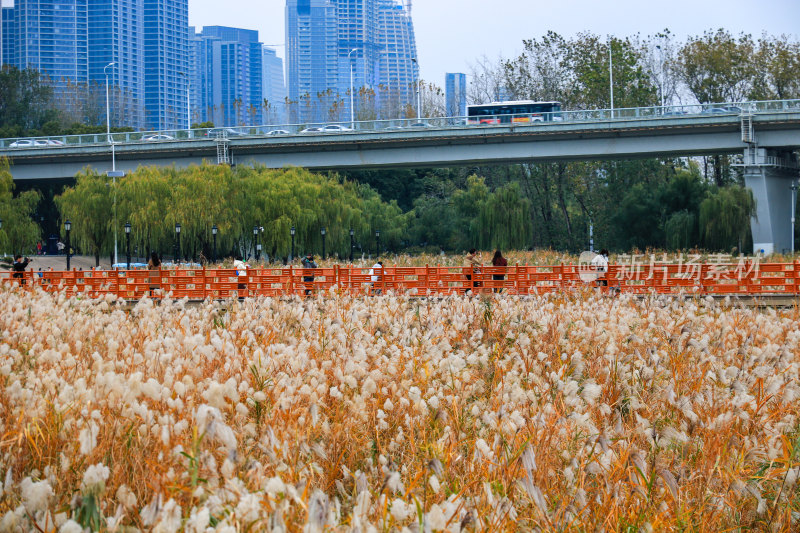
<point x="743" y="278"/>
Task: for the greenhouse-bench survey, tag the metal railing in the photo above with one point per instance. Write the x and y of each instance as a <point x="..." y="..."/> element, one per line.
<point x="306" y="130"/>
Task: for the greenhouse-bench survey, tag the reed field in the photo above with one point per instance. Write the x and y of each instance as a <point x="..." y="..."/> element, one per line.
<point x="565" y="412"/>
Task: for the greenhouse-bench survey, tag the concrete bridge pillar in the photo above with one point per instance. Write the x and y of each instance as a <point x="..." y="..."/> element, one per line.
<point x="771" y="175"/>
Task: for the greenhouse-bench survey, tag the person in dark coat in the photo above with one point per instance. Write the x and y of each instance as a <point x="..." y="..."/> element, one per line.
<point x="499" y="261"/>
<point x="308" y="262"/>
<point x="19" y="267"/>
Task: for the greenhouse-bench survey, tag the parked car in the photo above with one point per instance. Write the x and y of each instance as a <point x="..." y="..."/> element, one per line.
<point x="723" y="110"/>
<point x="29" y="143"/>
<point x="229" y="132"/>
<point x="335" y="128"/>
<point x="158" y="137"/>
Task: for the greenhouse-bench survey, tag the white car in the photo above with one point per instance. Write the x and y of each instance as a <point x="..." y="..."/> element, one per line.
<point x="334" y="128"/>
<point x="158" y="137"/>
<point x="311" y="130"/>
<point x="277" y="132"/>
<point x="29" y="143"/>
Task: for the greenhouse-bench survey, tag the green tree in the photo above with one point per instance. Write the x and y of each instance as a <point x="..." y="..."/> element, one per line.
<point x="26" y="103"/>
<point x="89" y="205"/>
<point x="725" y="217"/>
<point x="19" y="232"/>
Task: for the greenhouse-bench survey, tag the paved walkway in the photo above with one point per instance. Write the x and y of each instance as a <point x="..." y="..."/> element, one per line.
<point x="59" y="262"/>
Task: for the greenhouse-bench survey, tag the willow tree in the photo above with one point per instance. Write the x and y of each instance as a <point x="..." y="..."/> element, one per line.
<point x="89" y="206"/>
<point x="19" y="232"/>
<point x="504" y="219"/>
<point x="725" y="217"/>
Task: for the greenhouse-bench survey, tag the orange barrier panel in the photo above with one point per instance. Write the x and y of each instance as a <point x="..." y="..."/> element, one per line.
<point x="747" y="277"/>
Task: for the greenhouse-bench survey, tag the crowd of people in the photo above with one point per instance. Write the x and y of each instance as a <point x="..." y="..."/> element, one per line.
<point x="472" y="271"/>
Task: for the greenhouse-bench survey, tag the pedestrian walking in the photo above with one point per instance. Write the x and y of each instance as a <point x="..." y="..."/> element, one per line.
<point x="499" y="261"/>
<point x="241" y="271"/>
<point x="472" y="269"/>
<point x="376" y="273"/>
<point x="19" y="267"/>
<point x="308" y="278"/>
<point x="600" y="265"/>
<point x="154" y="266"/>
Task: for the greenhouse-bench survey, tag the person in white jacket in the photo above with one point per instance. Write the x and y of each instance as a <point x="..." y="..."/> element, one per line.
<point x="241" y="270"/>
<point x="600" y="264"/>
<point x="375" y="276"/>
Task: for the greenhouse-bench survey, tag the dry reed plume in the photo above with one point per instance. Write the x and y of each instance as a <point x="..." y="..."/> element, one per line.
<point x="567" y="412"/>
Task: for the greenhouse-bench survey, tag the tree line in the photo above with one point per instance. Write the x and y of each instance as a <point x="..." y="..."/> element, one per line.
<point x="673" y="203"/>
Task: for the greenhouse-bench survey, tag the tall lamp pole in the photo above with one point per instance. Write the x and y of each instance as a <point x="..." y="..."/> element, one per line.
<point x="291" y="231"/>
<point x="177" y="241"/>
<point x="611" y="75"/>
<point x="214" y="231"/>
<point x="794" y="204"/>
<point x="323" y="243"/>
<point x="352" y="108"/>
<point x="351" y="244"/>
<point x="67" y="227"/>
<point x="256" y="246"/>
<point x="419" y="92"/>
<point x="113" y="174"/>
<point x="128" y="238"/>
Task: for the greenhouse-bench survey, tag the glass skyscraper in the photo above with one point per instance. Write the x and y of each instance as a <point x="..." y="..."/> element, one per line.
<point x="455" y="94"/>
<point x="71" y="41"/>
<point x="116" y="35"/>
<point x="227" y="76"/>
<point x="312" y="59"/>
<point x="326" y="38"/>
<point x="399" y="71"/>
<point x="273" y="87"/>
<point x="7" y="36"/>
<point x="166" y="63"/>
<point x="50" y="36"/>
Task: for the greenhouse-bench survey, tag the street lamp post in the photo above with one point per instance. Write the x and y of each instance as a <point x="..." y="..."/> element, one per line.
<point x="291" y="231"/>
<point x="113" y="174"/>
<point x="323" y="243"/>
<point x="256" y="246"/>
<point x="419" y="92"/>
<point x="177" y="241"/>
<point x="352" y="108"/>
<point x="611" y="75"/>
<point x="351" y="244"/>
<point x="67" y="227"/>
<point x="794" y="204"/>
<point x="214" y="231"/>
<point x="377" y="242"/>
<point x="128" y="238"/>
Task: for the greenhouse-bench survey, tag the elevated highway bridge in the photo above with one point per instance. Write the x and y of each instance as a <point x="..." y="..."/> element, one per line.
<point x="765" y="134"/>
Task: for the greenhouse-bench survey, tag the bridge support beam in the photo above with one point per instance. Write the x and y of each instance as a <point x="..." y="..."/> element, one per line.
<point x="771" y="176"/>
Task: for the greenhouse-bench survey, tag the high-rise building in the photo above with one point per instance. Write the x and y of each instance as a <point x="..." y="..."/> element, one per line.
<point x="399" y="70"/>
<point x="455" y="94"/>
<point x="50" y="36"/>
<point x="116" y="35"/>
<point x="227" y="76"/>
<point x="166" y="59"/>
<point x="357" y="48"/>
<point x="330" y="40"/>
<point x="273" y="87"/>
<point x="7" y="36"/>
<point x="312" y="60"/>
<point x="72" y="42"/>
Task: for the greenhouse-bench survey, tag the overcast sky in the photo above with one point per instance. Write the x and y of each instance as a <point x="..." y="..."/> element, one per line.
<point x="452" y="34"/>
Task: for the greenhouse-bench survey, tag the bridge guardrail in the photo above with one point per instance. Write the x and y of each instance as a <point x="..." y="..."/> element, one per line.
<point x="746" y="278"/>
<point x="307" y="129"/>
